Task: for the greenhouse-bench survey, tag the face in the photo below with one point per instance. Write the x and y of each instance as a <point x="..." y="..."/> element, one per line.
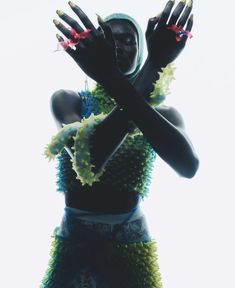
<point x="126" y="42"/>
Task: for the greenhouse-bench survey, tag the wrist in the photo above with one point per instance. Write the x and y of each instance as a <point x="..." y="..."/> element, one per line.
<point x="153" y="66"/>
<point x="109" y="76"/>
<point x="115" y="85"/>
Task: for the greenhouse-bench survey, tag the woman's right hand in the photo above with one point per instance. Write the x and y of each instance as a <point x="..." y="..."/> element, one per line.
<point x="162" y="43"/>
<point x="94" y="53"/>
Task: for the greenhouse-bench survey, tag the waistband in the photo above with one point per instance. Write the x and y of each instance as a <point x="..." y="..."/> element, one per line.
<point x="94" y="217"/>
<point x="91" y="227"/>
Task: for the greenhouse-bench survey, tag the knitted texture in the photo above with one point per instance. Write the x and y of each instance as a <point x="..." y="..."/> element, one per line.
<point x="82" y="158"/>
<point x="130" y="167"/>
<point x="162" y="85"/>
<point x="102" y="102"/>
<point x="126" y="265"/>
<point x="64" y="264"/>
<point x="66" y="176"/>
<point x="132" y="265"/>
<point x="61" y="139"/>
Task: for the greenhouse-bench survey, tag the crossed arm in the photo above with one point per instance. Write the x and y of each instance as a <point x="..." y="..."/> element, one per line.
<point x="167" y="138"/>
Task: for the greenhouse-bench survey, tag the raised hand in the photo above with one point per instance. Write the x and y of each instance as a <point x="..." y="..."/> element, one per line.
<point x="166" y="35"/>
<point x="92" y="49"/>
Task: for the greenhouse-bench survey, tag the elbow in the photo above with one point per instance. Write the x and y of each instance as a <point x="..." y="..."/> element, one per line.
<point x="191" y="168"/>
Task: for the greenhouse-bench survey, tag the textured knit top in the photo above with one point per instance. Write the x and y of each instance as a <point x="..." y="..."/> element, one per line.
<point x="127" y="174"/>
<point x="130" y="167"/>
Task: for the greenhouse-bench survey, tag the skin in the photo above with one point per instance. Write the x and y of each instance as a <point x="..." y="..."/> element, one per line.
<point x="162" y="127"/>
<point x="125" y="39"/>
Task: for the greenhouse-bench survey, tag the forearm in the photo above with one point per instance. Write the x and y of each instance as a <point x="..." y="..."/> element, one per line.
<point x="168" y="141"/>
<point x="110" y="134"/>
<point x="147" y="77"/>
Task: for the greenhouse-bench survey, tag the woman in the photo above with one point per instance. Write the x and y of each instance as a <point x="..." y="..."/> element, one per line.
<point x="103" y="240"/>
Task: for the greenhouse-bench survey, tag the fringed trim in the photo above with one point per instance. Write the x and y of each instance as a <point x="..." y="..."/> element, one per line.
<point x="157" y="96"/>
<point x="141" y="261"/>
<point x="121" y="265"/>
<point x="61" y="139"/>
<point x="102" y="101"/>
<point x="64" y="264"/>
<point x="162" y="85"/>
<point x="82" y="157"/>
<point x="81" y="133"/>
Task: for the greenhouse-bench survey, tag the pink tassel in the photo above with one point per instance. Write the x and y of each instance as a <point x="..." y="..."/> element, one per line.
<point x="70" y="42"/>
<point x="180" y="32"/>
<point x="82" y="35"/>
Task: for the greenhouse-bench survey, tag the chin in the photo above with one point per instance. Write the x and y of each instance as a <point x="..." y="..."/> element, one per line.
<point x="122" y="68"/>
<point x="125" y="70"/>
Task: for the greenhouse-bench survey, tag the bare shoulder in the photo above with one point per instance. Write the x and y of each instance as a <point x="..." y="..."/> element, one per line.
<point x="66" y="106"/>
<point x="172" y="115"/>
<point x="66" y="97"/>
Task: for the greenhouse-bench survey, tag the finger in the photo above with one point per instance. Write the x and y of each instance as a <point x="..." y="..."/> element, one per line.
<point x="69" y="50"/>
<point x="184" y="17"/>
<point x="70" y="21"/>
<point x="176" y="13"/>
<point x="66" y="32"/>
<point x="190" y="23"/>
<point x="106" y="29"/>
<point x="166" y="13"/>
<point x="82" y="16"/>
<point x="188" y="27"/>
<point x="151" y="25"/>
<point x="63" y="29"/>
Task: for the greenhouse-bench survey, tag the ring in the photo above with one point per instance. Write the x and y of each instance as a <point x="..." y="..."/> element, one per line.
<point x="65" y="44"/>
<point x="82" y="35"/>
<point x="180" y="32"/>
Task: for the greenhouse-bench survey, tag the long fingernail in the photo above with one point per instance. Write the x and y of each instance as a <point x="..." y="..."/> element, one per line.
<point x="59" y="12"/>
<point x="153" y="18"/>
<point x="100" y="19"/>
<point x="72" y="4"/>
<point x="59" y="37"/>
<point x="159" y="15"/>
<point x="56" y="22"/>
<point x="191" y="17"/>
<point x="183" y="1"/>
<point x="190" y="4"/>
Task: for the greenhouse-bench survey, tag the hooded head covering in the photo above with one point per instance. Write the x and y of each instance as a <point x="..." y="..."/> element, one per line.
<point x="122" y="16"/>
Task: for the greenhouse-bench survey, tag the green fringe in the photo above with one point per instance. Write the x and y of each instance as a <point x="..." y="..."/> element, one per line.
<point x="66" y="176"/>
<point x="162" y="85"/>
<point x="133" y="161"/>
<point x="130" y="167"/>
<point x="132" y="265"/>
<point x="64" y="264"/>
<point x="82" y="157"/>
<point x="102" y="102"/>
<point x="140" y="260"/>
<point x="61" y="139"/>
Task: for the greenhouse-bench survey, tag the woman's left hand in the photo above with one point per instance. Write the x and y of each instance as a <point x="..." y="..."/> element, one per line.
<point x="165" y="34"/>
<point x="92" y="49"/>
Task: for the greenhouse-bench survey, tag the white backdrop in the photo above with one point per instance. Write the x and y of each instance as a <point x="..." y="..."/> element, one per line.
<point x="192" y="220"/>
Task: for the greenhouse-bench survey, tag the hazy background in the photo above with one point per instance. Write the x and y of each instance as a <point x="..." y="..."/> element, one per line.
<point x="192" y="220"/>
